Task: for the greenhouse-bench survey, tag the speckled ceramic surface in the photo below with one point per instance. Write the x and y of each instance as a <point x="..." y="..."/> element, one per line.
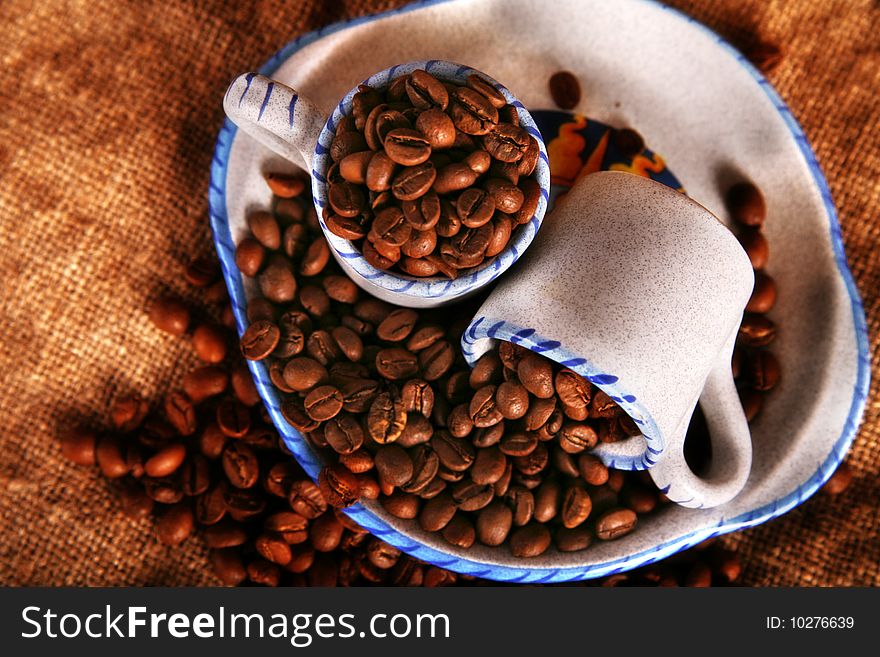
<point x="715" y="120"/>
<point x="290" y="124"/>
<point x="641" y="290"/>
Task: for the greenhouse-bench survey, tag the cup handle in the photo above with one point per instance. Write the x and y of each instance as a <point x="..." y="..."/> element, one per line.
<point x="275" y="115"/>
<point x="731" y="446"/>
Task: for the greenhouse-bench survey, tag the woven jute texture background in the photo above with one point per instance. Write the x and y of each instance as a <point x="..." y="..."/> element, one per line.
<point x="108" y="113"/>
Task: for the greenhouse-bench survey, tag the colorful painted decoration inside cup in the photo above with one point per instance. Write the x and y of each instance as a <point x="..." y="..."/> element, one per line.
<point x="578" y="145"/>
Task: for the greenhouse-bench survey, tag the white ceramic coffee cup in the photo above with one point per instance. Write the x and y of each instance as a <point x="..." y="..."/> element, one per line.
<point x="641" y="290"/>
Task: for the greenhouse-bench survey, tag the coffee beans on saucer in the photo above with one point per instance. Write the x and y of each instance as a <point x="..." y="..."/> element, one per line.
<point x="430" y="178"/>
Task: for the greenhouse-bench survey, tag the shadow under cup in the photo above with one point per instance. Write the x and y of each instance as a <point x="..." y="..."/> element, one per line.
<point x="634" y="453"/>
<point x="434" y="290"/>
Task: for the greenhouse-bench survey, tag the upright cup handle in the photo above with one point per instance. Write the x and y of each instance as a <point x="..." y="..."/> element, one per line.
<point x="275" y="115"/>
<point x="731" y="439"/>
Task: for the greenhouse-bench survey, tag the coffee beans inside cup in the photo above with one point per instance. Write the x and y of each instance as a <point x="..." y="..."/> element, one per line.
<point x="431" y="178"/>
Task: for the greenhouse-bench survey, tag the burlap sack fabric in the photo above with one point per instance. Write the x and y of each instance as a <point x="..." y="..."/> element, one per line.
<point x="108" y="112"/>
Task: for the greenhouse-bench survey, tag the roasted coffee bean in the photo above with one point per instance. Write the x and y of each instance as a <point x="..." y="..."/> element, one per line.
<point x="135" y="502"/>
<point x="629" y="142"/>
<point x="576" y="506"/>
<point x="386" y="418"/>
<point x="390" y="228"/>
<point x="467" y="248"/>
<point x="575" y="437"/>
<point x="460" y="423"/>
<point x="484" y="409"/>
<point x="565" y="90"/>
<point x="530" y="541"/>
<point x="641" y="500"/>
<point x="437" y="512"/>
<point x="358" y="394"/>
<point x="306" y="499"/>
<point x="512" y="400"/>
<point x="548" y="498"/>
<point x="459" y="532"/>
<point x="164" y="490"/>
<point x="240" y="465"/>
<point x="536" y="374"/>
<point x="471" y="496"/>
<point x="272" y="547"/>
<point x="170" y="315"/>
<point x="486" y="370"/>
<point x="425" y="91"/>
<point x="518" y="443"/>
<point x="456" y="454"/>
<point x="425" y="465"/>
<point x="746" y="204"/>
<point x="181" y="413"/>
<point x="210" y="506"/>
<point x="756" y="247"/>
<point x="294" y="241"/>
<point x="593" y="471"/>
<point x="762" y="370"/>
<point x="175" y="524"/>
<point x="348" y="228"/>
<point x="756" y="330"/>
<point x="501" y="231"/>
<point x="397" y="325"/>
<point x="763" y="296"/>
<point x="228" y="566"/>
<point x="109" y="456"/>
<point x="259" y="340"/>
<point x="225" y="534"/>
<point x="418" y="397"/>
<point x="201" y="272"/>
<point x="396" y="363"/>
<point x="316" y="258"/>
<point x="531" y="192"/>
<point x="353" y="167"/>
<point x="472" y="112"/>
<point x="344" y="433"/>
<point x="323" y="403"/>
<point x="204" y="382"/>
<point x="533" y="462"/>
<point x="165" y="461"/>
<point x="325" y="533"/>
<point x="573" y="390"/>
<point x="615" y="523"/>
<point x="435" y="360"/>
<point x="506" y="196"/>
<point x="284" y="185"/>
<point x="346" y="142"/>
<point x="128" y="413"/>
<point x="487" y="89"/>
<point x="277" y="282"/>
<point x="602" y="406"/>
<point x="418" y="266"/>
<point x="338" y="486"/>
<point x="78" y="445"/>
<point x="394" y="465"/>
<point x="433" y="489"/>
<point x="401" y="505"/>
<point x="412" y="182"/>
<point x="840" y="481"/>
<point x="572" y="540"/>
<point x="418" y="430"/>
<point x="233" y="418"/>
<point x="475" y="207"/>
<point x="303" y="373"/>
<point x="494" y="523"/>
<point x="527" y="163"/>
<point x="407" y="147"/>
<point x="454" y="177"/>
<point x="264" y="227"/>
<point x="380" y="172"/>
<point x="506" y="142"/>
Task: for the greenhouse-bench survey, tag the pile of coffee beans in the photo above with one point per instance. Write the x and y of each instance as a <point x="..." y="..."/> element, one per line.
<point x="429" y="177"/>
<point x="754" y="366"/>
<point x="497" y="455"/>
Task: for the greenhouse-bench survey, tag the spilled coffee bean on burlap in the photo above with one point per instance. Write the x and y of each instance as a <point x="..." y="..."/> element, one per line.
<point x="429" y="177"/>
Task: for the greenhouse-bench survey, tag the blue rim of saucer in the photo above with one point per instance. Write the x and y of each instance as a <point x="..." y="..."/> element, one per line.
<point x="435" y="287"/>
<point x="533" y="574"/>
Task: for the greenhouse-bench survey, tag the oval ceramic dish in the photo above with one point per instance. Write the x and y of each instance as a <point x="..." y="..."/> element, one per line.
<point x="716" y="120"/>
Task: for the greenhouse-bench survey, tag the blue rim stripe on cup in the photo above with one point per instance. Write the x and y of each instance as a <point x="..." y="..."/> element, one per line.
<point x="367" y="519"/>
<point x="498" y="329"/>
<point x="433" y="287"/>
